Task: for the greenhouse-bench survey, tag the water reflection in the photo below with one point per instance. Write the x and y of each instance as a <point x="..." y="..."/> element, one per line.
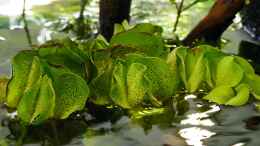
<point x="197" y="123"/>
<point x="201" y="118"/>
<point x="195" y="135"/>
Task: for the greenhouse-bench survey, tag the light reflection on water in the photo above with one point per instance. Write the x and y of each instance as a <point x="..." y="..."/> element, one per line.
<point x="195" y="135"/>
<point x="200" y="123"/>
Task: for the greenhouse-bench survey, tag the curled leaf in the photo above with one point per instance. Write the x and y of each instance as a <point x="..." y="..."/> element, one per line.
<point x="254" y="83"/>
<point x="118" y="91"/>
<point x="229" y="73"/>
<point x="129" y="85"/>
<point x="181" y="54"/>
<point x="197" y="75"/>
<point x="28" y="102"/>
<point x="247" y="67"/>
<point x="38" y="102"/>
<point x="242" y="96"/>
<point x="220" y="94"/>
<point x="22" y="66"/>
<point x="163" y="79"/>
<point x="44" y="109"/>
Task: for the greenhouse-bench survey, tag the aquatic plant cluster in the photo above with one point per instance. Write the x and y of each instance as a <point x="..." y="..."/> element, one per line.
<point x="135" y="69"/>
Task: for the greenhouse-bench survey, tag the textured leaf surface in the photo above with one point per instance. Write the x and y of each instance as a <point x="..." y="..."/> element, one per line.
<point x="149" y="44"/>
<point x="21" y="68"/>
<point x="164" y="81"/>
<point x="100" y="87"/>
<point x="28" y="101"/>
<point x="229" y="73"/>
<point x="136" y="83"/>
<point x="118" y="91"/>
<point x="44" y="108"/>
<point x="71" y="93"/>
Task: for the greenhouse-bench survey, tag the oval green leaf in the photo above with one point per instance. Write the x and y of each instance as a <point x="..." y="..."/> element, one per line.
<point x="229" y="73"/>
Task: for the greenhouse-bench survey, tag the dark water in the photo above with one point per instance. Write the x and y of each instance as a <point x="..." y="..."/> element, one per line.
<point x="198" y="124"/>
<point x="203" y="124"/>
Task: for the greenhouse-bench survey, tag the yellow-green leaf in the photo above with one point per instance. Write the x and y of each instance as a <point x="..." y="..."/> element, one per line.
<point x="220" y="94"/>
<point x="197" y="75"/>
<point x="118" y="90"/>
<point x="28" y="101"/>
<point x="71" y="94"/>
<point x="229" y="73"/>
<point x="136" y="84"/>
<point x="3" y="89"/>
<point x="242" y="96"/>
<point x="22" y="64"/>
<point x="254" y="83"/>
<point x="44" y="108"/>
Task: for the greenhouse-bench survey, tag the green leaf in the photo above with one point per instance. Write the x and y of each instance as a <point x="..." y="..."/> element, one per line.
<point x="253" y="81"/>
<point x="208" y="74"/>
<point x="220" y="94"/>
<point x="247" y="67"/>
<point x="100" y="87"/>
<point x="136" y="84"/>
<point x="191" y="60"/>
<point x="44" y="108"/>
<point x="35" y="73"/>
<point x="71" y="92"/>
<point x="143" y="42"/>
<point x="172" y="62"/>
<point x="181" y="54"/>
<point x="118" y="28"/>
<point x="242" y="96"/>
<point x="22" y="64"/>
<point x="72" y="58"/>
<point x="212" y="57"/>
<point x="3" y="89"/>
<point x="197" y="75"/>
<point x="229" y="73"/>
<point x="37" y="104"/>
<point x="27" y="103"/>
<point x="118" y="90"/>
<point x="163" y="79"/>
<point x="126" y="25"/>
<point x="148" y="28"/>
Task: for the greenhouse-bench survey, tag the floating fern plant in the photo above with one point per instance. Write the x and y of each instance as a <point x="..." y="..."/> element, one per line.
<point x="134" y="70"/>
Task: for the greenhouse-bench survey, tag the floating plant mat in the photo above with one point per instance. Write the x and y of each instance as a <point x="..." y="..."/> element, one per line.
<point x="134" y="74"/>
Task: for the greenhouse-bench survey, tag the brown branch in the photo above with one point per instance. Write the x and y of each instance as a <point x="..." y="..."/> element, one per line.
<point x="216" y="22"/>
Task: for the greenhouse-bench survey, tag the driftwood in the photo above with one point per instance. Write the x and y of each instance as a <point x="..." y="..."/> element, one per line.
<point x="216" y="22"/>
